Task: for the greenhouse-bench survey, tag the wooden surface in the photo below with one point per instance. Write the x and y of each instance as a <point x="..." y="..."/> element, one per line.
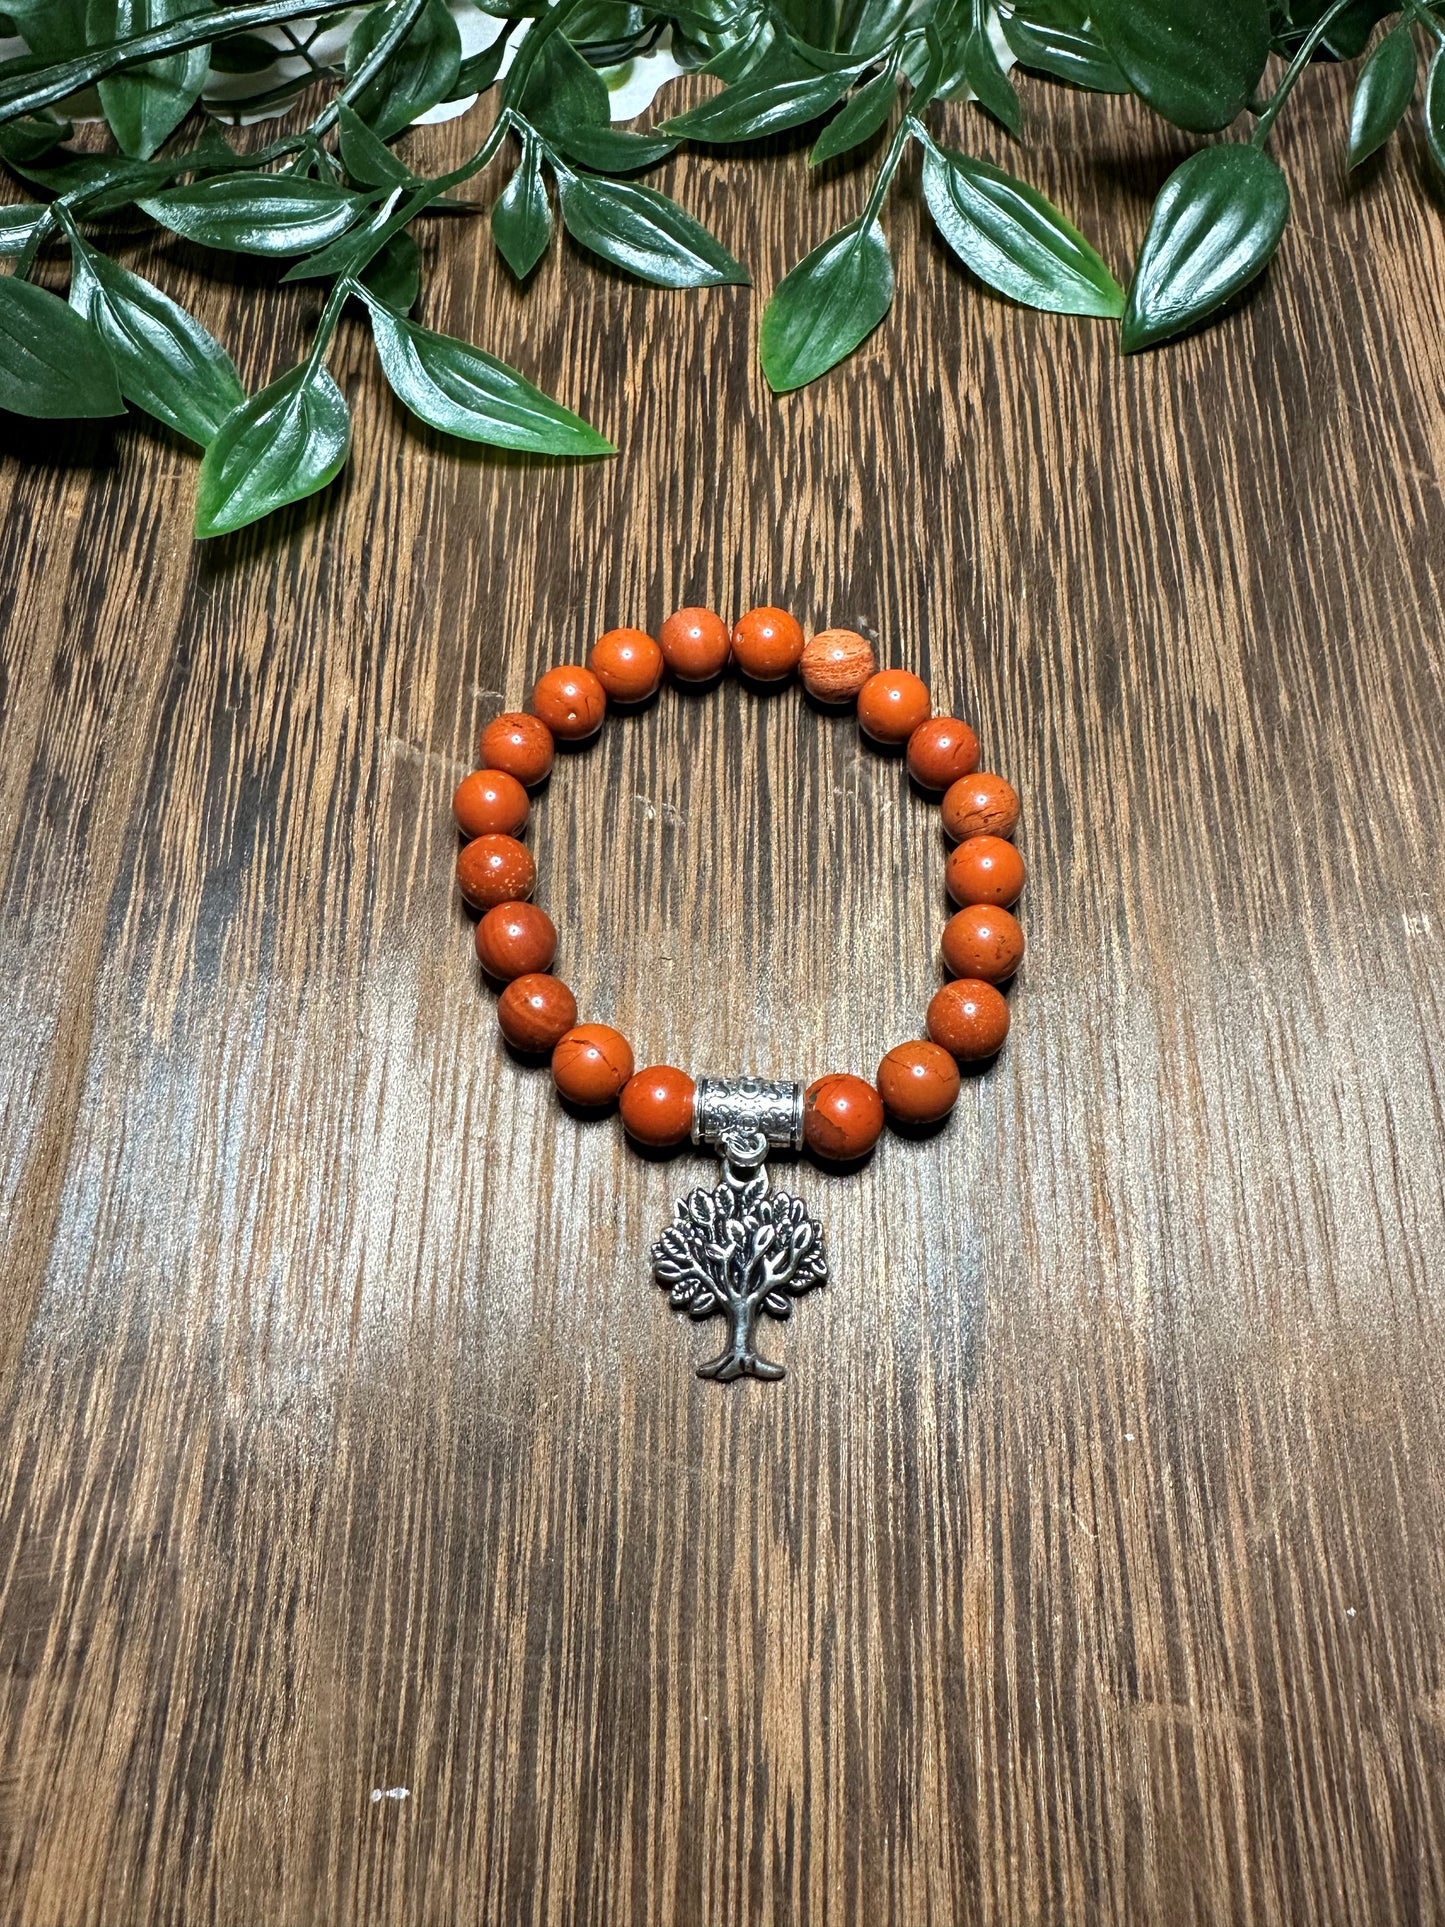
<point x="1089" y="1565"/>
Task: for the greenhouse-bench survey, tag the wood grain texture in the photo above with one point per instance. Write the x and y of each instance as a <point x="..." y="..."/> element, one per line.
<point x="1088" y="1566"/>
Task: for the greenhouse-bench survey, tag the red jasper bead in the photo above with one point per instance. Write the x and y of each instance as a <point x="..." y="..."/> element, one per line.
<point x="842" y="1117"/>
<point x="940" y="751"/>
<point x="519" y="744"/>
<point x="627" y="663"/>
<point x="656" y="1105"/>
<point x="969" y="1018"/>
<point x="892" y="704"/>
<point x="767" y="644"/>
<point x="983" y="940"/>
<point x="981" y="804"/>
<point x="489" y="802"/>
<point x="495" y="869"/>
<point x="591" y="1064"/>
<point x="835" y="664"/>
<point x="536" y="1012"/>
<point x="695" y="645"/>
<point x="985" y="869"/>
<point x="514" y="939"/>
<point x="918" y="1083"/>
<point x="571" y="702"/>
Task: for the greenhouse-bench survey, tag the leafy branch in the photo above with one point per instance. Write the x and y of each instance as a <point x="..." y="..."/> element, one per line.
<point x="335" y="200"/>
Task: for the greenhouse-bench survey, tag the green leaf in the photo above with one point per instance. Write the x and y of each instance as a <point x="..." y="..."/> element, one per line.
<point x="1217" y="221"/>
<point x="563" y="93"/>
<point x="861" y="118"/>
<point x="394" y="277"/>
<point x="167" y="363"/>
<point x="614" y="150"/>
<point x="825" y="306"/>
<point x="1435" y="108"/>
<point x="145" y="104"/>
<point x="421" y="71"/>
<point x="273" y="214"/>
<point x="991" y="85"/>
<point x="23" y="142"/>
<point x="479" y="71"/>
<point x="1382" y="93"/>
<point x="1196" y="62"/>
<point x="368" y="161"/>
<point x="280" y="446"/>
<point x="522" y="216"/>
<point x="1013" y="239"/>
<point x="53" y="29"/>
<point x="17" y="223"/>
<point x="1067" y="52"/>
<point x="772" y="97"/>
<point x="458" y="389"/>
<point x="644" y="233"/>
<point x="244" y="53"/>
<point x="52" y="362"/>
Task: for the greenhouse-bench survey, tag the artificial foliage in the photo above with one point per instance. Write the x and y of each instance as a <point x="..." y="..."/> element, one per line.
<point x="335" y="200"/>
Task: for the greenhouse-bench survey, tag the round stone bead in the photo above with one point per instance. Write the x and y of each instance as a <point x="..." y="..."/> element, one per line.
<point x="842" y="1117"/>
<point x="519" y="744"/>
<point x="695" y="645"/>
<point x="489" y="802"/>
<point x="495" y="869"/>
<point x="980" y="804"/>
<point x="767" y="644"/>
<point x="627" y="663"/>
<point x="656" y="1105"/>
<point x="969" y="1018"/>
<point x="918" y="1083"/>
<point x="536" y="1012"/>
<point x="591" y="1064"/>
<point x="983" y="940"/>
<point x="892" y="704"/>
<point x="985" y="869"/>
<point x="571" y="702"/>
<point x="940" y="751"/>
<point x="835" y="664"/>
<point x="514" y="939"/>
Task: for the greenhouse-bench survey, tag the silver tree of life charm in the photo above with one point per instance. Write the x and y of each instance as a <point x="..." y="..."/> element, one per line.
<point x="740" y="1251"/>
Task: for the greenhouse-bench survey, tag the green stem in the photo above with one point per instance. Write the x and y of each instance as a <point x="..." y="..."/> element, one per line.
<point x="28" y="93"/>
<point x="1304" y="53"/>
<point x="1427" y="20"/>
<point x="886" y="173"/>
<point x="395" y="33"/>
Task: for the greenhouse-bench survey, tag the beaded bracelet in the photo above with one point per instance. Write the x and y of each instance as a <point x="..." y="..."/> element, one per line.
<point x="741" y="1250"/>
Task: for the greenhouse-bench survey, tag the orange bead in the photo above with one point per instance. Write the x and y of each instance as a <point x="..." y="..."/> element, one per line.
<point x="571" y="702"/>
<point x="514" y="939"/>
<point x="940" y="751"/>
<point x="969" y="1018"/>
<point x="984" y="941"/>
<point x="591" y="1064"/>
<point x="835" y="664"/>
<point x="767" y="644"/>
<point x="519" y="744"/>
<point x="985" y="869"/>
<point x="536" y="1012"/>
<point x="495" y="869"/>
<point x="627" y="663"/>
<point x="657" y="1104"/>
<point x="980" y="805"/>
<point x="918" y="1083"/>
<point x="695" y="645"/>
<point x="891" y="705"/>
<point x="489" y="802"/>
<point x="842" y="1117"/>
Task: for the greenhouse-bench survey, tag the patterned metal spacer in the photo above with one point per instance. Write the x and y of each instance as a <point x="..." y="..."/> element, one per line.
<point x="743" y="1118"/>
